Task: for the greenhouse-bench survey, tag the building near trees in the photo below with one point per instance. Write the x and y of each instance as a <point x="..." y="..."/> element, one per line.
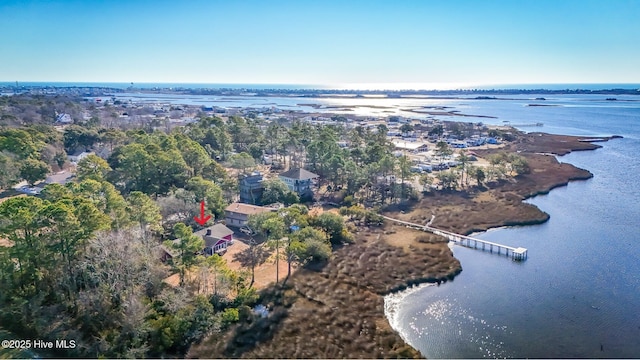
<point x="299" y="181"/>
<point x="216" y="239"/>
<point x="237" y="214"/>
<point x="251" y="188"/>
<point x="414" y="146"/>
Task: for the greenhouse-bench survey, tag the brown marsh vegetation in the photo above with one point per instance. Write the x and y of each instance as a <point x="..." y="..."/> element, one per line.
<point x="337" y="310"/>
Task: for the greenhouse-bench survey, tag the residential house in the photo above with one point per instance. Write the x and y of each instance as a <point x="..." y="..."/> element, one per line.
<point x="251" y="188"/>
<point x="216" y="239"/>
<point x="164" y="253"/>
<point x="409" y="145"/>
<point x="298" y="180"/>
<point x="63" y="118"/>
<point x="78" y="155"/>
<point x="237" y="214"/>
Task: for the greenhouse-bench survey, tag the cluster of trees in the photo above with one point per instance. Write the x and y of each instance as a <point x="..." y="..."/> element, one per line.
<point x="78" y="137"/>
<point x="366" y="168"/>
<point x="303" y="238"/>
<point x="276" y="191"/>
<point x="18" y="110"/>
<point x="133" y="176"/>
<point x="155" y="163"/>
<point x="505" y="164"/>
<point x="502" y="165"/>
<point x="29" y="153"/>
<point x="361" y="215"/>
<point x="82" y="267"/>
<point x="458" y="177"/>
<point x="84" y="258"/>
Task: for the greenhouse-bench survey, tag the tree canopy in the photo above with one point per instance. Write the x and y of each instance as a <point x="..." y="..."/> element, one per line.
<point x="276" y="191"/>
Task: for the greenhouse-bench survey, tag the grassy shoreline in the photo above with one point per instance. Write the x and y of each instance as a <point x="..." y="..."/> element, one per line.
<point x="337" y="310"/>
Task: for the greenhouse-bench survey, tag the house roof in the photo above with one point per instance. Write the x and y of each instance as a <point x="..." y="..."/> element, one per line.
<point x="252" y="179"/>
<point x="63" y="118"/>
<point x="299" y="174"/>
<point x="246" y="209"/>
<point x="80" y="153"/>
<point x="408" y="145"/>
<point x="165" y="250"/>
<point x="218" y="231"/>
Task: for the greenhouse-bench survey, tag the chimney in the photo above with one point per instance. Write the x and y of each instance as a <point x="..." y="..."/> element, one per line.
<point x="208" y="231"/>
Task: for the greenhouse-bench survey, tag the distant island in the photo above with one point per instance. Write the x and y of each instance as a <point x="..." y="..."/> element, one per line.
<point x="252" y="90"/>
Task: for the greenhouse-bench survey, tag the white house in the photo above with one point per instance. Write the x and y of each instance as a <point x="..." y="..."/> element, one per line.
<point x="78" y="155"/>
<point x="409" y="145"/>
<point x="63" y="118"/>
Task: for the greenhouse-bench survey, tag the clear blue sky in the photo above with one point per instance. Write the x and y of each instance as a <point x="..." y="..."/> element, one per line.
<point x="321" y="42"/>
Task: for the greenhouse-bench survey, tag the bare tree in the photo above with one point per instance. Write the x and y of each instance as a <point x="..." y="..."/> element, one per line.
<point x="255" y="255"/>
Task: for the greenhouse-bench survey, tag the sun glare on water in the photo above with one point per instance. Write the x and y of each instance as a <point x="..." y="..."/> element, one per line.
<point x="403" y="86"/>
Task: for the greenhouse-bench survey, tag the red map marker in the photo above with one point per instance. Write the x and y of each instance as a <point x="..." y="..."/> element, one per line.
<point x="202" y="219"/>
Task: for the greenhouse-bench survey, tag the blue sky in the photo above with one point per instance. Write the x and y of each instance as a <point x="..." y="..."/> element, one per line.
<point x="321" y="42"/>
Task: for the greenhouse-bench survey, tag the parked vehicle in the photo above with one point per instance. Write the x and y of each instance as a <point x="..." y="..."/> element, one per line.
<point x="30" y="190"/>
<point x="441" y="166"/>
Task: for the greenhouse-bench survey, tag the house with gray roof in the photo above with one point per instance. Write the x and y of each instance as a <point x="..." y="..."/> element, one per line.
<point x="299" y="181"/>
<point x="216" y="239"/>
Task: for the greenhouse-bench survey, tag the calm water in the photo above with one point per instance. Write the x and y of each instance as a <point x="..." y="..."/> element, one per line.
<point x="578" y="294"/>
<point x="567" y="114"/>
<point x="357" y="86"/>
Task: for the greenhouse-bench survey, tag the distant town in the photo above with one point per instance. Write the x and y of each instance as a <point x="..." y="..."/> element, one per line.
<point x="88" y="89"/>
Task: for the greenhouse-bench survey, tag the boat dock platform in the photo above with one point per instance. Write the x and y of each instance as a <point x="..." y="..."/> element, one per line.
<point x="514" y="253"/>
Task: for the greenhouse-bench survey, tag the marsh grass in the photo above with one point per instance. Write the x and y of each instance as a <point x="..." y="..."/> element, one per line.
<point x="337" y="310"/>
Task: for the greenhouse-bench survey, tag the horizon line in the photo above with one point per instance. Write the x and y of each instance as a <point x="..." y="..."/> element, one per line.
<point x="391" y="86"/>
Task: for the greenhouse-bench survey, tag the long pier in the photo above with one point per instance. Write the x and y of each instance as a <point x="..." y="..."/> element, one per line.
<point x="514" y="253"/>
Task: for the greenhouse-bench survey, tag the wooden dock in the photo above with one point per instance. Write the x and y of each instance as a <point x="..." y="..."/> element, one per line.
<point x="514" y="253"/>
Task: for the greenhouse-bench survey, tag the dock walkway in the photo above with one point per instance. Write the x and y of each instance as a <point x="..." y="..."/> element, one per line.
<point x="518" y="253"/>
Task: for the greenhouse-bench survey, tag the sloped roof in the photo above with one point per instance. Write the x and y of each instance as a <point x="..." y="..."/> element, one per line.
<point x="247" y="209"/>
<point x="251" y="179"/>
<point x="299" y="174"/>
<point x="408" y="145"/>
<point x="218" y="231"/>
<point x="161" y="248"/>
